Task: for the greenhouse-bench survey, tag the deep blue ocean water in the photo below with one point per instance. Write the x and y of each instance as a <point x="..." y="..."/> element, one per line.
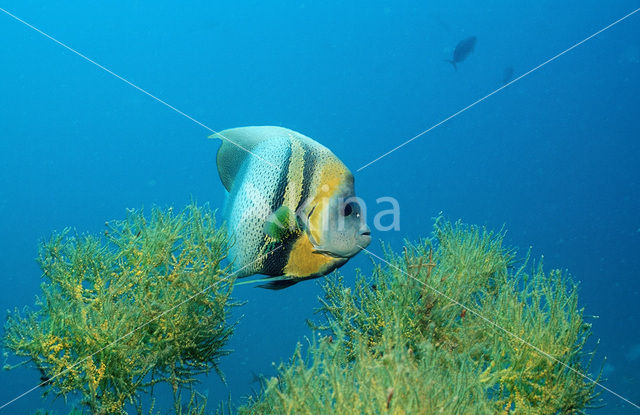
<point x="554" y="157"/>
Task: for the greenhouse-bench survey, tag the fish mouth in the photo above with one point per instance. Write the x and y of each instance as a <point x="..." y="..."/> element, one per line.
<point x="365" y="239"/>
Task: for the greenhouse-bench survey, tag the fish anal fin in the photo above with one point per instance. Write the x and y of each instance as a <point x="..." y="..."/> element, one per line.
<point x="278" y="284"/>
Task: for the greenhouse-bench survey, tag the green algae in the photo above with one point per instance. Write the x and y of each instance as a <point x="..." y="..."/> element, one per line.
<point x="448" y="326"/>
<point x="145" y="304"/>
<point x="451" y="324"/>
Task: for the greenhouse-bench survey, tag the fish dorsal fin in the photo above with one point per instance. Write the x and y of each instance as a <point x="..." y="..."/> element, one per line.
<point x="237" y="145"/>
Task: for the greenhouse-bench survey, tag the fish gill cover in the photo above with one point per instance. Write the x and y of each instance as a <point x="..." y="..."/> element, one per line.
<point x="150" y="305"/>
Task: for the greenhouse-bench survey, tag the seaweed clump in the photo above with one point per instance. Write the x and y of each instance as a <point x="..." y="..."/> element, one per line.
<point x="448" y="326"/>
<point x="147" y="304"/>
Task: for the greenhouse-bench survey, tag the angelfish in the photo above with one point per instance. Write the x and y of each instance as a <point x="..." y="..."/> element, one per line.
<point x="291" y="208"/>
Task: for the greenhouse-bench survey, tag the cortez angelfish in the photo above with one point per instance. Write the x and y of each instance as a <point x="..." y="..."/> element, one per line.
<point x="291" y="194"/>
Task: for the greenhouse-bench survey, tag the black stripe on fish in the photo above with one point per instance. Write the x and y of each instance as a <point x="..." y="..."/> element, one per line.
<point x="281" y="188"/>
<point x="307" y="174"/>
<point x="275" y="262"/>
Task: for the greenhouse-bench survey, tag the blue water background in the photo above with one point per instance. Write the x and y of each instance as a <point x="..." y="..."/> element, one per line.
<point x="553" y="157"/>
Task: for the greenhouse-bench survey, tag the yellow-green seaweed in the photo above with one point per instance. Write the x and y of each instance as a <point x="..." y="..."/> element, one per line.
<point x="147" y="303"/>
<point x="413" y="338"/>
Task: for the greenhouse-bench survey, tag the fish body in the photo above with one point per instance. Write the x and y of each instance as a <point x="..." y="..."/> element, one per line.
<point x="463" y="49"/>
<point x="290" y="205"/>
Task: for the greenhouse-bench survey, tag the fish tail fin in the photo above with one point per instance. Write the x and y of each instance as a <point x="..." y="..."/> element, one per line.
<point x="453" y="63"/>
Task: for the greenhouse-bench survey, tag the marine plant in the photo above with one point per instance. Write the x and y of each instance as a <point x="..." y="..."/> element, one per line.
<point x="146" y="304"/>
<point x="449" y="325"/>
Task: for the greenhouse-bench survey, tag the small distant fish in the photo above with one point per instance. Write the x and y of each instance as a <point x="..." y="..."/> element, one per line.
<point x="463" y="50"/>
<point x="293" y="218"/>
<point x="46" y="380"/>
<point x="259" y="379"/>
<point x="507" y="74"/>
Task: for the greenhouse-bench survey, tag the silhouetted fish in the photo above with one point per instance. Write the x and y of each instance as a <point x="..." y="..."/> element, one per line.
<point x="259" y="379"/>
<point x="46" y="380"/>
<point x="507" y="74"/>
<point x="462" y="50"/>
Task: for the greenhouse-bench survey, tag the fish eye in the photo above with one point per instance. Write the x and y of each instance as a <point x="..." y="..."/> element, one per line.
<point x="349" y="209"/>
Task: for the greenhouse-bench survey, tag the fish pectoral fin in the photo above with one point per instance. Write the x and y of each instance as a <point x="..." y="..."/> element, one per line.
<point x="282" y="223"/>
